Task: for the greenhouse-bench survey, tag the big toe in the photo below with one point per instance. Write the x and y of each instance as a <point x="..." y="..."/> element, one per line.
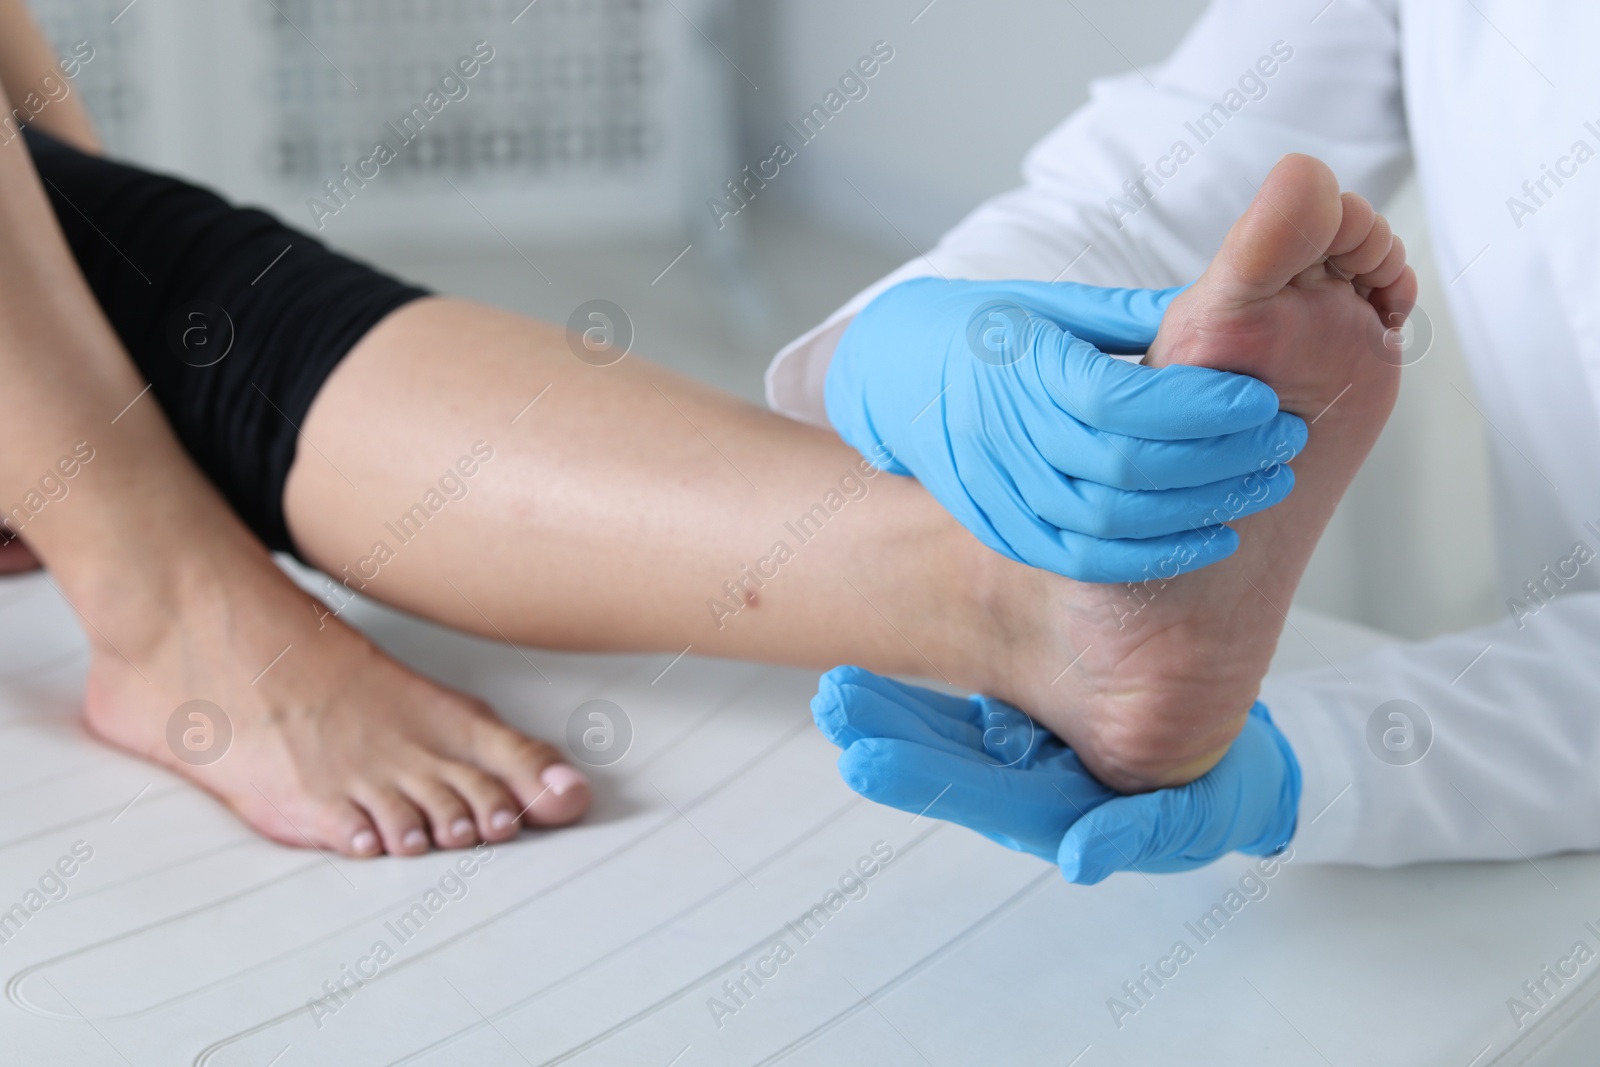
<point x="1296" y="215"/>
<point x="549" y="790"/>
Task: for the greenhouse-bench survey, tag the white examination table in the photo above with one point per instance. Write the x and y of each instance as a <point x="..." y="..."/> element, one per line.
<point x="187" y="940"/>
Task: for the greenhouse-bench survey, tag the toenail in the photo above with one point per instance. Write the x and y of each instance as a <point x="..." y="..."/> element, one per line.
<point x="560" y="778"/>
<point x="462" y="827"/>
<point x="501" y="819"/>
<point x="363" y="842"/>
<point x="415" y="839"/>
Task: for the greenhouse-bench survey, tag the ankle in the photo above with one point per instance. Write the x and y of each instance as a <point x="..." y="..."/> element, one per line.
<point x="144" y="590"/>
<point x="1003" y="611"/>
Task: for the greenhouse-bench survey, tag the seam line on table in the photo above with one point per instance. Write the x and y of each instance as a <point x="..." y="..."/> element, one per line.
<point x="518" y="1005"/>
<point x="698" y="981"/>
<point x="13" y="982"/>
<point x="230" y="898"/>
<point x="93" y="816"/>
<point x="205" y="1054"/>
<point x="914" y="970"/>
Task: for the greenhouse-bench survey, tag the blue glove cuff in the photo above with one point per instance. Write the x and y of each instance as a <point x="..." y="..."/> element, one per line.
<point x="1280" y="831"/>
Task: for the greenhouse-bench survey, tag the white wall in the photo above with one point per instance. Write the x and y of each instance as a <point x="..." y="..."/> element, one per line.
<point x="971" y="87"/>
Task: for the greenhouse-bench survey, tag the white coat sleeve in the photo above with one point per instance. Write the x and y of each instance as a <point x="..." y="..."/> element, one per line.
<point x="1140" y="185"/>
<point x="1513" y="767"/>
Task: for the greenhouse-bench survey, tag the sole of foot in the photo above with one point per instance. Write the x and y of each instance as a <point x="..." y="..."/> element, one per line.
<point x="1165" y="670"/>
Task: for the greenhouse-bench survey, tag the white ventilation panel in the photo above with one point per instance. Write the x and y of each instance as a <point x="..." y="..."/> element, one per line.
<point x="112" y="81"/>
<point x="580" y="119"/>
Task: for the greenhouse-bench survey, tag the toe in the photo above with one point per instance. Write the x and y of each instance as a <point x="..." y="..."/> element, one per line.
<point x="450" y="818"/>
<point x="1354" y="225"/>
<point x="400" y="825"/>
<point x="1295" y="217"/>
<point x="494" y="808"/>
<point x="1388" y="272"/>
<point x="1370" y="254"/>
<point x="564" y="795"/>
<point x="550" y="792"/>
<point x="346" y="829"/>
<point x="1394" y="302"/>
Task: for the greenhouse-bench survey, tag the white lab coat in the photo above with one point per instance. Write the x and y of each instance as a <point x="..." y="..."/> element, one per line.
<point x="1480" y="97"/>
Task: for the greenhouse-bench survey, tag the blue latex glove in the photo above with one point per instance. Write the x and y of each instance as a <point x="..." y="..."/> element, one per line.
<point x="999" y="397"/>
<point x="982" y="763"/>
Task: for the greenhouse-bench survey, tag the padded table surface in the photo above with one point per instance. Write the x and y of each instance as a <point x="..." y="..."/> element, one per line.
<point x="185" y="939"/>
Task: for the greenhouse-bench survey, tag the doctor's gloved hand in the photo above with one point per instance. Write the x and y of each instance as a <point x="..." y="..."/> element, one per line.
<point x="984" y="764"/>
<point x="1000" y="399"/>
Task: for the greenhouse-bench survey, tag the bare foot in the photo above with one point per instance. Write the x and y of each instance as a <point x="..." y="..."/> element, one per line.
<point x="334" y="745"/>
<point x="1166" y="670"/>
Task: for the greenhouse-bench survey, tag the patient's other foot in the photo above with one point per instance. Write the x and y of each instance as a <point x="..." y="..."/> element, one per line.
<point x="1170" y="667"/>
<point x="334" y="744"/>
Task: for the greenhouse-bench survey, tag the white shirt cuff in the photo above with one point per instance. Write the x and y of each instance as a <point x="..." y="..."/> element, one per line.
<point x="1330" y="796"/>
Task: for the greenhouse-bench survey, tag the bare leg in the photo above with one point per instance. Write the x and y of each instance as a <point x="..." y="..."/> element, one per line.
<point x="337" y="746"/>
<point x="27" y="65"/>
<point x="31" y="76"/>
<point x="620" y="509"/>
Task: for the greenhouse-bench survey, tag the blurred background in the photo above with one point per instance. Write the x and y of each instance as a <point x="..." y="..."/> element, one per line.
<point x="577" y="164"/>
